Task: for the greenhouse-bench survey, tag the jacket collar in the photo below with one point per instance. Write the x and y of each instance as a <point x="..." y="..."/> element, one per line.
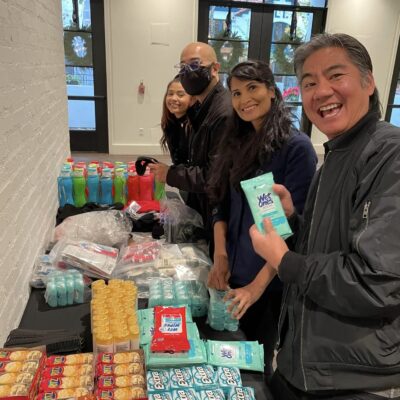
<point x="347" y="138"/>
<point x="198" y="111"/>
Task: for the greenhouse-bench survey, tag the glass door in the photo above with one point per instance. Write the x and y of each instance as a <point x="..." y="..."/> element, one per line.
<point x="268" y="30"/>
<point x="84" y="47"/>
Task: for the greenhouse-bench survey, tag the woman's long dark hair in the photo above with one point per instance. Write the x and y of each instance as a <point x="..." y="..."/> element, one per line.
<point x="241" y="151"/>
<point x="167" y="118"/>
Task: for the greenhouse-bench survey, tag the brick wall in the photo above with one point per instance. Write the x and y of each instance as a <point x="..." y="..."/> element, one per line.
<point x="33" y="142"/>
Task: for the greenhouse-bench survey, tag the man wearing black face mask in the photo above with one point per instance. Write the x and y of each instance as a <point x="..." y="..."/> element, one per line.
<point x="198" y="72"/>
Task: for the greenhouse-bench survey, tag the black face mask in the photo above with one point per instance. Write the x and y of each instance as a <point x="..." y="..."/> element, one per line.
<point x="195" y="82"/>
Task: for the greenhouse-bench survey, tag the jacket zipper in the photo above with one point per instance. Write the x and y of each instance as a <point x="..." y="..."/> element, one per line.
<point x="308" y="252"/>
<point x="281" y="316"/>
<point x="365" y="216"/>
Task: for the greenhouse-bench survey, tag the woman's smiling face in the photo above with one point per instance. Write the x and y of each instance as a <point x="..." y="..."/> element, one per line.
<point x="251" y="100"/>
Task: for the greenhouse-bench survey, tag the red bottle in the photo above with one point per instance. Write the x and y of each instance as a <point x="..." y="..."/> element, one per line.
<point x="146" y="184"/>
<point x="132" y="184"/>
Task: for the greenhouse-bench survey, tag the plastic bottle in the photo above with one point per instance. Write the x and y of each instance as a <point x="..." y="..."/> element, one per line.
<point x="104" y="341"/>
<point x="65" y="187"/>
<point x="133" y="333"/>
<point x="122" y="340"/>
<point x="93" y="185"/>
<point x="159" y="191"/>
<point x="79" y="184"/>
<point x="106" y="187"/>
<point x="119" y="186"/>
<point x="146" y="184"/>
<point x="133" y="187"/>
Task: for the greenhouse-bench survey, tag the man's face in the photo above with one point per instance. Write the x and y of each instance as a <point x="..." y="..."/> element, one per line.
<point x="335" y="96"/>
<point x="196" y="54"/>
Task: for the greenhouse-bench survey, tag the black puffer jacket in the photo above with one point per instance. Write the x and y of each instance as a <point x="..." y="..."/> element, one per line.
<point x="208" y="123"/>
<point x="342" y="300"/>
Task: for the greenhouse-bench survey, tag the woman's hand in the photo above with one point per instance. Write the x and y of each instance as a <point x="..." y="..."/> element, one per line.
<point x="219" y="273"/>
<point x="160" y="171"/>
<point x="242" y="299"/>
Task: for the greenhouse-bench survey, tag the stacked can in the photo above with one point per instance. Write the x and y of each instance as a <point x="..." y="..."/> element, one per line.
<point x="113" y="316"/>
<point x="218" y="316"/>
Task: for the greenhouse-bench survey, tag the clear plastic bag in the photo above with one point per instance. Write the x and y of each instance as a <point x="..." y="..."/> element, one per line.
<point x="93" y="259"/>
<point x="44" y="266"/>
<point x="108" y="228"/>
<point x="181" y="223"/>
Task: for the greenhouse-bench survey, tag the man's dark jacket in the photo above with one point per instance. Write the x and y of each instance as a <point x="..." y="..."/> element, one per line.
<point x="208" y="123"/>
<point x="341" y="305"/>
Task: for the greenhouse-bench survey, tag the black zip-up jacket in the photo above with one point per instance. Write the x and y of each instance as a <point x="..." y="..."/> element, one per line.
<point x="341" y="305"/>
<point x="208" y="123"/>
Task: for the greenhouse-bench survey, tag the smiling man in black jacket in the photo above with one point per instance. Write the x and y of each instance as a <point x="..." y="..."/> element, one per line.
<point x="340" y="317"/>
<point x="198" y="71"/>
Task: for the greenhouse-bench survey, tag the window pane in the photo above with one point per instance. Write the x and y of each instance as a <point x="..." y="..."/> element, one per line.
<point x="229" y="52"/>
<point x="223" y="77"/>
<point x="284" y="2"/>
<point x="83" y="15"/>
<point x="78" y="48"/>
<point x="312" y="3"/>
<point x="281" y="26"/>
<point x="301" y="3"/>
<point x="288" y="87"/>
<point x="396" y="99"/>
<point x="252" y="1"/>
<point x="85" y="22"/>
<point x="296" y="114"/>
<point x="81" y="115"/>
<point x="240" y="23"/>
<point x="79" y="81"/>
<point x="395" y="117"/>
<point x="281" y="59"/>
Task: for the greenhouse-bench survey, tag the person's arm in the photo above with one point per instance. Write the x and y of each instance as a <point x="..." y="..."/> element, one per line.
<point x="242" y="298"/>
<point x="219" y="273"/>
<point x="194" y="178"/>
<point x="365" y="281"/>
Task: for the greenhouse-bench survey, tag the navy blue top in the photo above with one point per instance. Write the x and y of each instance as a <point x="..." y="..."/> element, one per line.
<point x="292" y="166"/>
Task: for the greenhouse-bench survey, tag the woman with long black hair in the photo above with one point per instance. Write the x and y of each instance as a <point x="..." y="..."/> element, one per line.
<point x="261" y="139"/>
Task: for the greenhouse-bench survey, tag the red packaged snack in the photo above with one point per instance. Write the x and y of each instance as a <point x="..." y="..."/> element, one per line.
<point x="24" y="378"/>
<point x="72" y="359"/>
<point x="119" y="369"/>
<point x="112" y="382"/>
<point x="121" y="393"/>
<point x="18" y="366"/>
<point x="67" y="370"/>
<point x="135" y="356"/>
<point x="20" y="355"/>
<point x="63" y="394"/>
<point x="13" y="390"/>
<point x="170" y="333"/>
<point x="51" y="384"/>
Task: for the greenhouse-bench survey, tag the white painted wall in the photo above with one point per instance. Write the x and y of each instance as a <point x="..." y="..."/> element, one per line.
<point x="376" y="24"/>
<point x="33" y="142"/>
<point x="143" y="42"/>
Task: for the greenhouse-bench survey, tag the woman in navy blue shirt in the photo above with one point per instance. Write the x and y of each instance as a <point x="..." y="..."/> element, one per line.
<point x="262" y="139"/>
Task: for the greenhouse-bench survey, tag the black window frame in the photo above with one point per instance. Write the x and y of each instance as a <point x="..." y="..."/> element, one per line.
<point x="395" y="79"/>
<point x="260" y="14"/>
<point x="97" y="139"/>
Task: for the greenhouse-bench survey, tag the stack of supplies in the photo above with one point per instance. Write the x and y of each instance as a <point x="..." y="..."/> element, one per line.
<point x="67" y="376"/>
<point x="19" y="372"/>
<point x="121" y="376"/>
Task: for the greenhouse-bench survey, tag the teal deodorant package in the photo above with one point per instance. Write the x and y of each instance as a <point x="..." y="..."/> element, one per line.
<point x="241" y="393"/>
<point x="264" y="203"/>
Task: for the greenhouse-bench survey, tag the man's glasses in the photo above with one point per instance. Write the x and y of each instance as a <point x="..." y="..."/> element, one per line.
<point x="191" y="67"/>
